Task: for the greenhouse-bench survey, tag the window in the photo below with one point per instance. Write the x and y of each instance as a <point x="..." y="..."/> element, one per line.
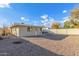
<point x="28" y="29"/>
<point x="40" y="29"/>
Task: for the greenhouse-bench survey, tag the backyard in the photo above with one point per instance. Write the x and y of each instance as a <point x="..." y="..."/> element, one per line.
<point x="59" y="44"/>
<point x="46" y="45"/>
<point x="14" y="46"/>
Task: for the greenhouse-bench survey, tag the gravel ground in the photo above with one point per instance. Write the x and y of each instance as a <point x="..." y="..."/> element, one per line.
<point x="59" y="44"/>
<point x="23" y="48"/>
<point x="46" y="45"/>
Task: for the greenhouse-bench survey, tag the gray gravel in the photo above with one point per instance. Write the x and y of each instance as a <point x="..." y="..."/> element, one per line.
<point x="25" y="48"/>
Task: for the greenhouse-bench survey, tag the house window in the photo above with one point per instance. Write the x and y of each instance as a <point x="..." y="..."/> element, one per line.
<point x="28" y="29"/>
<point x="40" y="29"/>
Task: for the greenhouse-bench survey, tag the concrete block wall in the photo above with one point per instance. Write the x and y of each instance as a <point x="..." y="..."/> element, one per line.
<point x="65" y="31"/>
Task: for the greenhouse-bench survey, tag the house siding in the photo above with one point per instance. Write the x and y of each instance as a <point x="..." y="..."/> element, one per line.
<point x="23" y="32"/>
<point x="15" y="31"/>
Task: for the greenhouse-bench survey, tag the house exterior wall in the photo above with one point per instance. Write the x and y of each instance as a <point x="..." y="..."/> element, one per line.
<point x="23" y="31"/>
<point x="33" y="32"/>
<point x="15" y="31"/>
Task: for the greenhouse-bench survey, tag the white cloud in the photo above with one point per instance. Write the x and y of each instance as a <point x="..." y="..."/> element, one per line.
<point x="24" y="19"/>
<point x="44" y="16"/>
<point x="5" y="3"/>
<point x="64" y="11"/>
<point x="4" y="6"/>
<point x="52" y="19"/>
<point x="42" y="21"/>
<point x="47" y="20"/>
<point x="65" y="19"/>
<point x="45" y="24"/>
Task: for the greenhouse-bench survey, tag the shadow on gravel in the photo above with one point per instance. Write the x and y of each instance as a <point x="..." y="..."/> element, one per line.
<point x="1" y="38"/>
<point x="55" y="37"/>
<point x="17" y="42"/>
<point x="26" y="48"/>
<point x="51" y="36"/>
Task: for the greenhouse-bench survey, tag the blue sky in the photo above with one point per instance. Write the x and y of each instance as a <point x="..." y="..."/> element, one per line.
<point x="35" y="13"/>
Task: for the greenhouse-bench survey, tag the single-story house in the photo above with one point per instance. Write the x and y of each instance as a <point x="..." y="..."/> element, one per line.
<point x="25" y="30"/>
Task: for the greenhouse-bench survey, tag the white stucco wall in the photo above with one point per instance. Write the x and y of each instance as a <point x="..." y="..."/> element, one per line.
<point x="15" y="31"/>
